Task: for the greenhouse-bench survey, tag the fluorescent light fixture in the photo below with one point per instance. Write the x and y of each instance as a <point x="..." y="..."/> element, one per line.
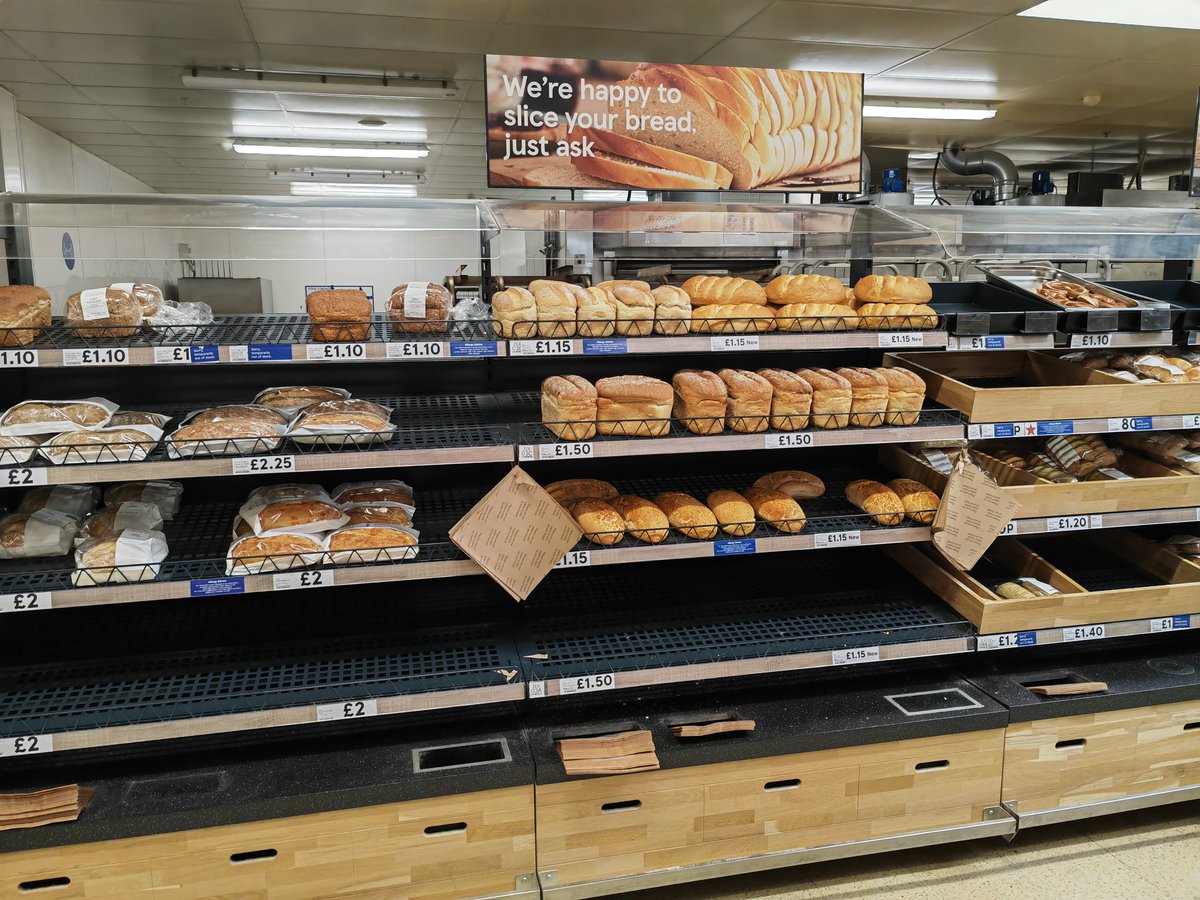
<point x="343" y="150"/>
<point x="375" y="177"/>
<point x="337" y="189"/>
<point x="927" y="112"/>
<point x="614" y="196"/>
<point x="923" y="155"/>
<point x="1155" y="13"/>
<point x="317" y="83"/>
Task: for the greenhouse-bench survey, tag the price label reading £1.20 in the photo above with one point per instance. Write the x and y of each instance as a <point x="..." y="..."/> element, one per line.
<point x="586" y="684"/>
<point x="253" y="465"/>
<point x="1074" y="523"/>
<point x="348" y="709"/>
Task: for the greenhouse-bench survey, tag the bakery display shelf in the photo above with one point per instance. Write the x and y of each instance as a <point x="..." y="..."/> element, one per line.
<point x="977" y="309"/>
<point x="1093" y="521"/>
<point x="439" y="429"/>
<point x="196" y="567"/>
<point x="1107" y="425"/>
<point x="756" y="617"/>
<point x="1177" y="292"/>
<point x="537" y="442"/>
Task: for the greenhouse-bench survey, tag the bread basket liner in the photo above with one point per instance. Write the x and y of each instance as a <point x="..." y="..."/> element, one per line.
<point x="132" y="515"/>
<point x="136" y="555"/>
<point x="47" y="533"/>
<point x="20" y="428"/>
<point x="130" y="451"/>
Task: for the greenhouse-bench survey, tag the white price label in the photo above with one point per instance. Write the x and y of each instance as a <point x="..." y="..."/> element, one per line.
<point x="1191" y="422"/>
<point x="416" y="350"/>
<point x="339" y="352"/>
<point x="291" y="581"/>
<point x="1083" y="633"/>
<point x="1131" y="423"/>
<point x="166" y="356"/>
<point x="1010" y="528"/>
<point x="18" y="359"/>
<point x="1006" y="641"/>
<point x="537" y="689"/>
<point x="734" y="342"/>
<point x="837" y="539"/>
<point x="586" y="684"/>
<point x="566" y="450"/>
<point x="547" y="347"/>
<point x="1092" y="340"/>
<point x="855" y="655"/>
<point x="902" y="339"/>
<point x="23" y="476"/>
<point x="27" y="745"/>
<point x="99" y="356"/>
<point x="26" y="601"/>
<point x="1167" y="623"/>
<point x="350" y="709"/>
<point x="574" y="559"/>
<point x="1074" y="523"/>
<point x="786" y="439"/>
<point x="255" y="465"/>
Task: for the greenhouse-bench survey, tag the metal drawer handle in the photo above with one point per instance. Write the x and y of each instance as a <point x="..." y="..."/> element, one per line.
<point x="253" y="856"/>
<point x="448" y="828"/>
<point x="932" y="765"/>
<point x="1068" y="745"/>
<point x="621" y="806"/>
<point x="43" y="884"/>
<point x="1192" y="726"/>
<point x="785" y="784"/>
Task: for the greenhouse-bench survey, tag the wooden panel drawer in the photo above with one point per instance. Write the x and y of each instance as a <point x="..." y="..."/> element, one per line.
<point x="1168" y="748"/>
<point x="779" y="800"/>
<point x="124" y="879"/>
<point x="957" y="777"/>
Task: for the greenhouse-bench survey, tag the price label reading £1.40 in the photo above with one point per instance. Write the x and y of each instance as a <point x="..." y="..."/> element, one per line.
<point x="348" y="709"/>
<point x="1083" y="633"/>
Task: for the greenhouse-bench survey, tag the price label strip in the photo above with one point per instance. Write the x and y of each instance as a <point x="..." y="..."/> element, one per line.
<point x="18" y="359"/>
<point x="335" y="352"/>
<point x="587" y="684"/>
<point x="350" y="709"/>
<point x="1074" y="523"/>
<point x="1092" y="340"/>
<point x="854" y="655"/>
<point x="27" y="745"/>
<point x="1008" y="641"/>
<point x="255" y="465"/>
<point x="293" y="581"/>
<point x="785" y="440"/>
<point x="1157" y="626"/>
<point x="417" y="350"/>
<point x="26" y="601"/>
<point x="24" y="476"/>
<point x="99" y="356"/>
<point x="566" y="450"/>
<point x="902" y="339"/>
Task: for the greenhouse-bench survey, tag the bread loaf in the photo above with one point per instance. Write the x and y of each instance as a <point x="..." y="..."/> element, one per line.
<point x="343" y="415"/>
<point x="268" y="493"/>
<point x="595" y="312"/>
<point x="222" y="438"/>
<point x="815" y="317"/>
<point x="24" y="312"/>
<point x="796" y="484"/>
<point x="339" y="315"/>
<point x="706" y="290"/>
<point x="41" y="532"/>
<point x="165" y="495"/>
<point x="572" y="490"/>
<point x="377" y="514"/>
<point x="672" y="310"/>
<point x="556" y="305"/>
<point x="242" y="412"/>
<point x="278" y="553"/>
<point x="832" y="397"/>
<point x="107" y="445"/>
<point x="734" y="513"/>
<point x="569" y="407"/>
<point x="732" y="319"/>
<point x="872" y="316"/>
<point x="699" y="401"/>
<point x="292" y="399"/>
<point x="103" y="313"/>
<point x="74" y="500"/>
<point x="383" y="491"/>
<point x="371" y="544"/>
<point x="892" y="289"/>
<point x="777" y="509"/>
<point x="906" y="396"/>
<point x="748" y="403"/>
<point x="633" y="406"/>
<point x="868" y="396"/>
<point x="625" y="282"/>
<point x="805" y="289"/>
<point x="129" y="555"/>
<point x="601" y="523"/>
<point x="125" y="417"/>
<point x="687" y="515"/>
<point x="300" y="515"/>
<point x="643" y="520"/>
<point x="876" y="499"/>
<point x="636" y="163"/>
<point x="53" y="416"/>
<point x="791" y="399"/>
<point x="920" y="503"/>
<point x="148" y="296"/>
<point x="635" y="310"/>
<point x="419" y="307"/>
<point x="115" y="519"/>
<point x="16" y="449"/>
<point x="514" y="313"/>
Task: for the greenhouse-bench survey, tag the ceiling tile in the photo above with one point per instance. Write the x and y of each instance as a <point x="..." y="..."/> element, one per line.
<point x="197" y="21"/>
<point x="942" y="88"/>
<point x="124" y="151"/>
<point x="127" y="139"/>
<point x="797" y="55"/>
<point x="119" y="75"/>
<point x="222" y="117"/>
<point x="842" y="23"/>
<point x="596" y="43"/>
<point x="371" y="106"/>
<point x="47" y="93"/>
<point x="1174" y="49"/>
<point x="35" y="109"/>
<point x="1053" y="38"/>
<point x="1135" y="74"/>
<point x="68" y="127"/>
<point x="10" y="49"/>
<point x="51" y="46"/>
<point x="27" y="70"/>
<point x="175" y="98"/>
<point x="463" y="10"/>
<point x="992" y="66"/>
<point x="381" y="32"/>
<point x="710" y="17"/>
<point x="365" y="60"/>
<point x="1073" y="89"/>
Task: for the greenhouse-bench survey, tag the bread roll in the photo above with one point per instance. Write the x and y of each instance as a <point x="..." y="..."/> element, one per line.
<point x="419" y="307"/>
<point x="633" y="406"/>
<point x="877" y="499"/>
<point x="892" y="289"/>
<point x="278" y="553"/>
<point x="595" y="312"/>
<point x="733" y="512"/>
<point x="569" y="407"/>
<point x="748" y="404"/>
<point x="556" y="307"/>
<point x="805" y="289"/>
<point x="791" y="399"/>
<point x="743" y="318"/>
<point x="920" y="503"/>
<point x="24" y="312"/>
<point x="832" y="397"/>
<point x="644" y="521"/>
<point x="815" y="317"/>
<point x="601" y="523"/>
<point x="868" y="396"/>
<point x="906" y="396"/>
<point x="687" y="515"/>
<point x="699" y="401"/>
<point x="672" y="310"/>
<point x="339" y="315"/>
<point x="796" y="484"/>
<point x="705" y="290"/>
<point x="568" y="492"/>
<point x="895" y="315"/>
<point x="242" y="412"/>
<point x="514" y="313"/>
<point x="103" y="313"/>
<point x="371" y="544"/>
<point x="777" y="509"/>
<point x="381" y="491"/>
<point x="635" y="310"/>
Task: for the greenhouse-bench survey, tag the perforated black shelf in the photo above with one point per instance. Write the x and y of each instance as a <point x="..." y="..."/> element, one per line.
<point x="1085" y="560"/>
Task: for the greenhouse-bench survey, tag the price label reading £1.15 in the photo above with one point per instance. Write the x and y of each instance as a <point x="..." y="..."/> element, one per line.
<point x="837" y="539"/>
<point x="574" y="559"/>
<point x="855" y="655"/>
<point x="27" y="745"/>
<point x="902" y="339"/>
<point x="349" y="709"/>
<point x="253" y="465"/>
<point x="734" y="342"/>
<point x="586" y="684"/>
<point x="549" y="347"/>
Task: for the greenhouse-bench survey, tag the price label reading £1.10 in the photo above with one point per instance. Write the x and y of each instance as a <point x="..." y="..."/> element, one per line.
<point x="99" y="356"/>
<point x="27" y="745"/>
<point x="335" y="352"/>
<point x="18" y="359"/>
<point x="586" y="684"/>
<point x="416" y="350"/>
<point x="349" y="709"/>
<point x="253" y="465"/>
<point x="1092" y="340"/>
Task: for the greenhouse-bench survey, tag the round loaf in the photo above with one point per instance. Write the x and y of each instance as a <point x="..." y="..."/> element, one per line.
<point x="892" y="289"/>
<point x="687" y="515"/>
<point x="777" y="508"/>
<point x="644" y="521"/>
<point x="705" y="290"/>
<point x="123" y="319"/>
<point x="806" y="288"/>
<point x="601" y="523"/>
<point x="796" y="484"/>
<point x="733" y="512"/>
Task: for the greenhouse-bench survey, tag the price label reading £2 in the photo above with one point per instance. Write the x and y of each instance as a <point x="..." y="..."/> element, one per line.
<point x="349" y="709"/>
<point x="291" y="581"/>
<point x="27" y="745"/>
<point x="586" y="684"/>
<point x="26" y="601"/>
<point x="23" y="476"/>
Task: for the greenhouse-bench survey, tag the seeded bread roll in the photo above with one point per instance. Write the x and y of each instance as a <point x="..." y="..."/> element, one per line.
<point x="920" y="503"/>
<point x="832" y="397"/>
<point x="733" y="512"/>
<point x="569" y="407"/>
<point x="595" y="312"/>
<point x="699" y="401"/>
<point x="868" y="396"/>
<point x="601" y="523"/>
<point x="572" y="490"/>
<point x="705" y="290"/>
<point x="419" y="307"/>
<point x="349" y="309"/>
<point x="815" y="317"/>
<point x="796" y="484"/>
<point x="644" y="521"/>
<point x="24" y="311"/>
<point x="672" y="310"/>
<point x="514" y="312"/>
<point x="877" y="499"/>
<point x="635" y="310"/>
<point x="748" y="405"/>
<point x="906" y="396"/>
<point x="892" y="289"/>
<point x="687" y="515"/>
<point x="739" y="318"/>
<point x="557" y="307"/>
<point x="103" y="313"/>
<point x="634" y="406"/>
<point x="805" y="289"/>
<point x="873" y="316"/>
<point x="791" y="399"/>
<point x="777" y="509"/>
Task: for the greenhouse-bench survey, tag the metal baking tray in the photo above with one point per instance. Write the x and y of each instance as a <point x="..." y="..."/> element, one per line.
<point x="1136" y="314"/>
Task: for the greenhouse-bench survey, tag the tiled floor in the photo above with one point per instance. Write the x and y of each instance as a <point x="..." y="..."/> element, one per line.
<point x="1152" y="853"/>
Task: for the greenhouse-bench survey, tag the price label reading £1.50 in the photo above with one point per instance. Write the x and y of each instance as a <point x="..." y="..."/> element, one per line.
<point x="567" y="450"/>
<point x="586" y="684"/>
<point x="253" y="465"/>
<point x="349" y="709"/>
<point x="784" y="439"/>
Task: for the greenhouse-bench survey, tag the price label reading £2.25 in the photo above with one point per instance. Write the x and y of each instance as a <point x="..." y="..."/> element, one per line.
<point x="253" y="465"/>
<point x="348" y="709"/>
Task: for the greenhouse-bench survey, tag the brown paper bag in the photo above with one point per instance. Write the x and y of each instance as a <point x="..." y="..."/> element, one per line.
<point x="972" y="513"/>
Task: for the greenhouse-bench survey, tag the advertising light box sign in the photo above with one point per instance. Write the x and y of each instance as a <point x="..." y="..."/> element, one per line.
<point x="574" y="123"/>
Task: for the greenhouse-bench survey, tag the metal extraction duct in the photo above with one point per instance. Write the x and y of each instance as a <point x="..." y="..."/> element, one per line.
<point x="983" y="162"/>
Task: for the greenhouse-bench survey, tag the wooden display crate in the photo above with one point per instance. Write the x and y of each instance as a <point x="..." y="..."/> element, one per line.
<point x="1029" y="385"/>
<point x="1178" y="592"/>
<point x="1153" y="486"/>
<point x="460" y="846"/>
<point x="600" y="828"/>
<point x="1068" y="761"/>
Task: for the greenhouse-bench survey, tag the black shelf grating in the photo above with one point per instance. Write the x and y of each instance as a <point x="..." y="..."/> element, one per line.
<point x="1087" y="562"/>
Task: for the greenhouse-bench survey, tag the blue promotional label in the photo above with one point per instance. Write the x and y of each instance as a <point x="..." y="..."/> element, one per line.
<point x="216" y="587"/>
<point x="995" y="342"/>
<point x="734" y="548"/>
<point x="1181" y="623"/>
<point x="1004" y="429"/>
<point x="1142" y="423"/>
<point x="472" y="348"/>
<point x="269" y="352"/>
<point x="603" y="346"/>
<point x="1044" y="428"/>
<point x="1026" y="638"/>
<point x="205" y="353"/>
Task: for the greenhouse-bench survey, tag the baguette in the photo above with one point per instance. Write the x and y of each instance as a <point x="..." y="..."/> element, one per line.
<point x="734" y="513"/>
<point x="877" y="500"/>
<point x="777" y="509"/>
<point x="687" y="515"/>
<point x="644" y="521"/>
<point x="601" y="523"/>
<point x="706" y="290"/>
<point x="816" y="317"/>
<point x="920" y="503"/>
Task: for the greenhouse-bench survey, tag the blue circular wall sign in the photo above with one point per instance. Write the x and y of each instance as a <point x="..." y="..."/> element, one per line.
<point x="68" y="250"/>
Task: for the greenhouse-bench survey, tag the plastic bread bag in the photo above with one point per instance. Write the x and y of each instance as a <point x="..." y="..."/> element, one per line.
<point x="223" y="439"/>
<point x="74" y="500"/>
<point x="148" y="296"/>
<point x="111" y="520"/>
<point x="128" y="443"/>
<point x="371" y="544"/>
<point x="17" y="449"/>
<point x="131" y="555"/>
<point x="42" y="533"/>
<point x="378" y="513"/>
<point x="267" y="492"/>
<point x="252" y="554"/>
<point x="166" y="495"/>
<point x="1183" y="544"/>
<point x="297" y="515"/>
<point x="56" y="416"/>
<point x="136" y="417"/>
<point x="334" y="424"/>
<point x="237" y="412"/>
<point x="291" y="399"/>
<point x="381" y="491"/>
